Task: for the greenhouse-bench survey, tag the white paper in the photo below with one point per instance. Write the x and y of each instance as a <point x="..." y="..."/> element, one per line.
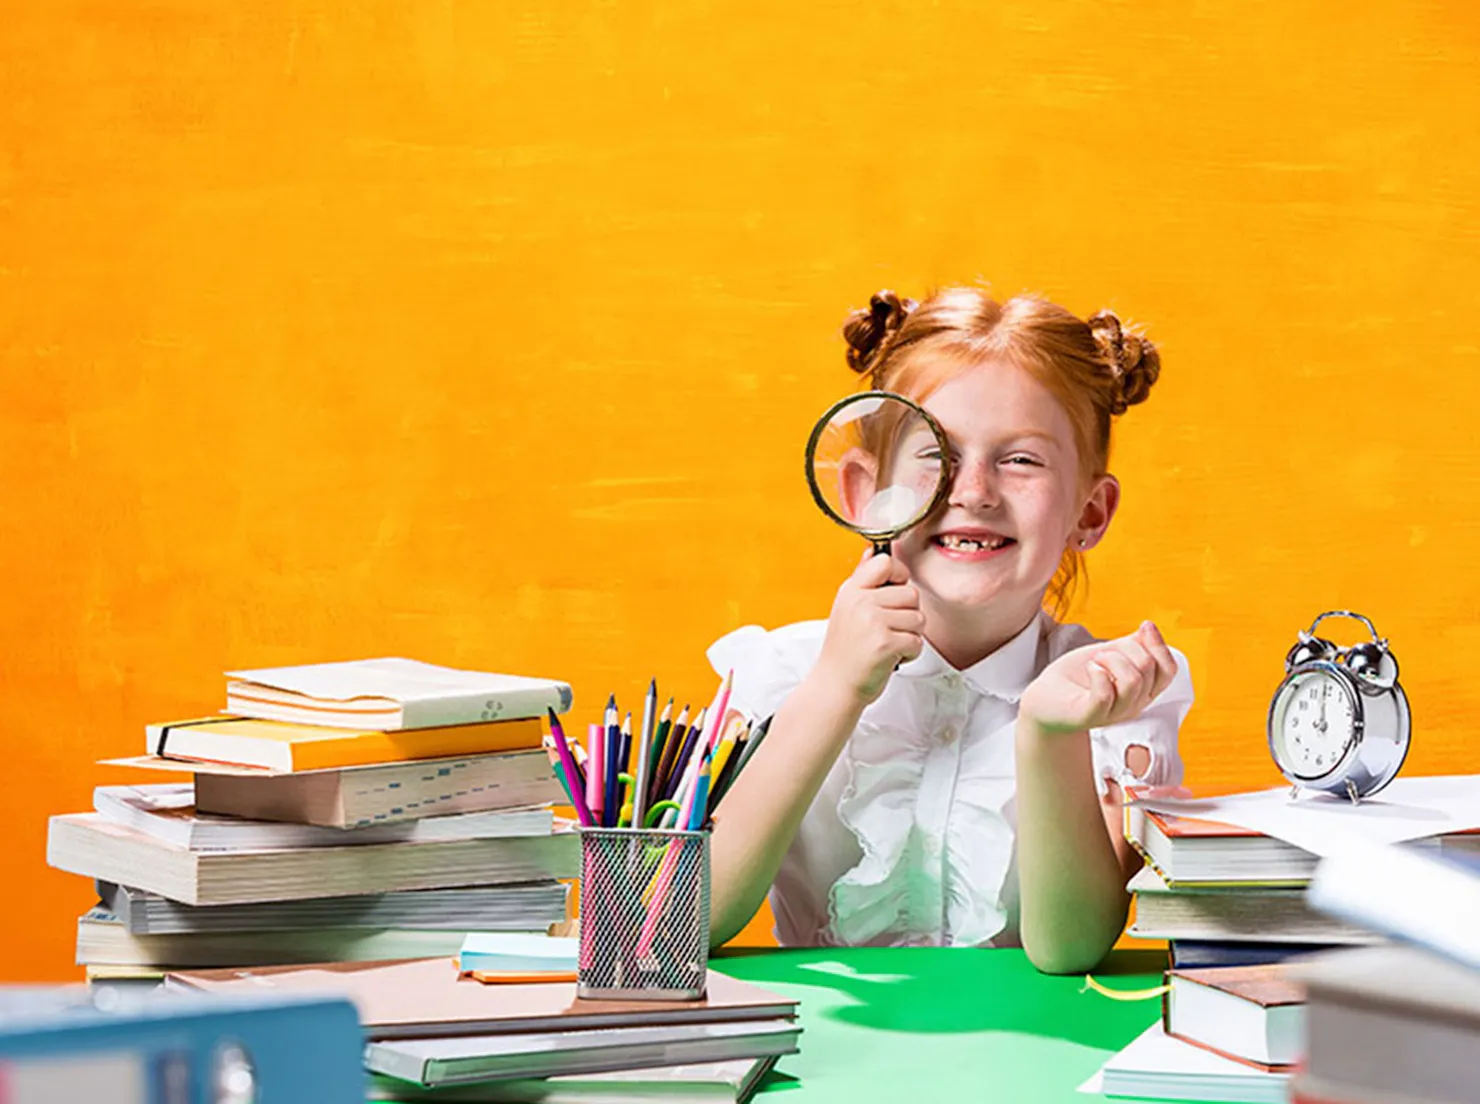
<point x="1323" y="824"/>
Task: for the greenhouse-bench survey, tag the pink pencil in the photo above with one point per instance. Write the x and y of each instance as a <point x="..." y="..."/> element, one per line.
<point x="595" y="791"/>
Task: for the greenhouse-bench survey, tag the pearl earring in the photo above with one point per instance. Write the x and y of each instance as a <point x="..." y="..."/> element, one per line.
<point x="1083" y="543"/>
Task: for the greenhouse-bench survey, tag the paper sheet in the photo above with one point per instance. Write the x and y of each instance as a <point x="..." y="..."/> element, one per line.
<point x="1407" y="809"/>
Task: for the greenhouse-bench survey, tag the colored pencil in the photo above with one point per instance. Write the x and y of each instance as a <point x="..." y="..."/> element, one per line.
<point x="644" y="755"/>
<point x="568" y="763"/>
<point x="596" y="776"/>
<point x="612" y="736"/>
<point x="671" y="743"/>
<point x="681" y="759"/>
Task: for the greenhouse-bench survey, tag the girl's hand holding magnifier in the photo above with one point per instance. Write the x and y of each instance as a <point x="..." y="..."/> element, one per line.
<point x="878" y="465"/>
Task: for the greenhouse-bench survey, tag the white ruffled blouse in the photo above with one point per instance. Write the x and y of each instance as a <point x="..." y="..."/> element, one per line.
<point x="910" y="841"/>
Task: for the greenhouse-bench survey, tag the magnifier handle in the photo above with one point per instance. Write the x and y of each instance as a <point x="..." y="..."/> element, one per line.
<point x="882" y="548"/>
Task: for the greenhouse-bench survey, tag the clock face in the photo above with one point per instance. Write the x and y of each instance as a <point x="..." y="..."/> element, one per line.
<point x="1313" y="724"/>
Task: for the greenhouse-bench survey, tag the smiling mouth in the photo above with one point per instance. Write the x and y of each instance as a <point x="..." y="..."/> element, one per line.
<point x="955" y="543"/>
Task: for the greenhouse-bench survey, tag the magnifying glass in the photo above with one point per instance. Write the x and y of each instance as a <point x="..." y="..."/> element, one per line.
<point x="878" y="464"/>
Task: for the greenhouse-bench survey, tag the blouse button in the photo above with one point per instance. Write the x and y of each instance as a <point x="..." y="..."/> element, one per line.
<point x="948" y="734"/>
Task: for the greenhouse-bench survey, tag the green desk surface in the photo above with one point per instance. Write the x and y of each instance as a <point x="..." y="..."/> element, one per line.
<point x="945" y="1024"/>
<point x="926" y="1025"/>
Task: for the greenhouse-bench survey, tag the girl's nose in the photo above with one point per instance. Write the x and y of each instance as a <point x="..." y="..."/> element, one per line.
<point x="974" y="484"/>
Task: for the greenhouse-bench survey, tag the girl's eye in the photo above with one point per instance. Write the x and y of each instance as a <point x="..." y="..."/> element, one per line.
<point x="1027" y="460"/>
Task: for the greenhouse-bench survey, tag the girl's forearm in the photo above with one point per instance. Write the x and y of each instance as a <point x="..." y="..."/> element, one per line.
<point x="1072" y="885"/>
<point x="767" y="801"/>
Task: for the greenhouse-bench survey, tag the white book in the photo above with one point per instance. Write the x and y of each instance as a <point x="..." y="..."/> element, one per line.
<point x="509" y="906"/>
<point x="167" y="812"/>
<point x="1420" y="897"/>
<point x="1157" y="1066"/>
<point x="102" y="940"/>
<point x="467" y="1059"/>
<point x="1252" y="914"/>
<point x="88" y="844"/>
<point x="389" y="694"/>
<point x="732" y="1082"/>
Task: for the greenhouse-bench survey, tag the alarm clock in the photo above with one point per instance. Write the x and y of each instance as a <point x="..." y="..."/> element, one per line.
<point x="1339" y="721"/>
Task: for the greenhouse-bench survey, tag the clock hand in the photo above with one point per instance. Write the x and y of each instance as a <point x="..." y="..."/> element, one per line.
<point x="1325" y="693"/>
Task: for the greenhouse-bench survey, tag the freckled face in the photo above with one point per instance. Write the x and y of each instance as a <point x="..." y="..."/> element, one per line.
<point x="1014" y="499"/>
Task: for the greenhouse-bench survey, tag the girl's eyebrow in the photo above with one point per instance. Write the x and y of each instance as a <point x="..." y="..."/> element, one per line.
<point x="1018" y="435"/>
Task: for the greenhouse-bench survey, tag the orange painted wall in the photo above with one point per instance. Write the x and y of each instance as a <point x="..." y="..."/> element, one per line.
<point x="491" y="334"/>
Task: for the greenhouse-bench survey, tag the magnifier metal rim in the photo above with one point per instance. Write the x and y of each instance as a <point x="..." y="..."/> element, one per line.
<point x="942" y="485"/>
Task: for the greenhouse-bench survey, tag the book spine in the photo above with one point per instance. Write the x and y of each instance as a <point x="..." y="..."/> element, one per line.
<point x="511" y="705"/>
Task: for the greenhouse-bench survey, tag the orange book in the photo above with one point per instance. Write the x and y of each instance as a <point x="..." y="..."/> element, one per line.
<point x="280" y="746"/>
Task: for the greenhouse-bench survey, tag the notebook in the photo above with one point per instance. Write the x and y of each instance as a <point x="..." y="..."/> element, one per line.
<point x="88" y="844"/>
<point x="426" y="997"/>
<point x="390" y="694"/>
<point x="432" y="1063"/>
<point x="495" y="956"/>
<point x="281" y="746"/>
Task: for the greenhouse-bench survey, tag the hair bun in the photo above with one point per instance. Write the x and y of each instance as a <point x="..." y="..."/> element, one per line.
<point x="1133" y="360"/>
<point x="867" y="331"/>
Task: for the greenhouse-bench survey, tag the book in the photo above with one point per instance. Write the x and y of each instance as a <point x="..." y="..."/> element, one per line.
<point x="510" y="906"/>
<point x="492" y="955"/>
<point x="1393" y="1021"/>
<point x="167" y="812"/>
<point x="284" y="746"/>
<point x="733" y="1082"/>
<point x="1194" y="953"/>
<point x="1187" y="851"/>
<point x="390" y="694"/>
<point x="88" y="844"/>
<point x="1157" y="1066"/>
<point x="431" y="1063"/>
<point x="1427" y="899"/>
<point x="102" y="940"/>
<point x="354" y="797"/>
<point x="426" y="997"/>
<point x="1252" y="1014"/>
<point x="1252" y="913"/>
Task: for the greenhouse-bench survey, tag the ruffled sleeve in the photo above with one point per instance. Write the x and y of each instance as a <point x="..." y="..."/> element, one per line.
<point x="767" y="665"/>
<point x="1155" y="730"/>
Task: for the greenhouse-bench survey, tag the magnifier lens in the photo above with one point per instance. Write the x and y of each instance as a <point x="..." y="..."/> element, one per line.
<point x="876" y="463"/>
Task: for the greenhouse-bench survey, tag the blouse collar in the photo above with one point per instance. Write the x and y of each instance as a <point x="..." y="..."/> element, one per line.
<point x="1004" y="674"/>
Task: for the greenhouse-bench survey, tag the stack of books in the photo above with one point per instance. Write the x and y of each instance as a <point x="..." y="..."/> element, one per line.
<point x="340" y="812"/>
<point x="1222" y="895"/>
<point x="435" y="1033"/>
<point x="1399" y="1022"/>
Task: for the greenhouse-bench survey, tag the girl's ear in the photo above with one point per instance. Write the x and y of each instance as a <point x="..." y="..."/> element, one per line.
<point x="857" y="481"/>
<point x="1094" y="518"/>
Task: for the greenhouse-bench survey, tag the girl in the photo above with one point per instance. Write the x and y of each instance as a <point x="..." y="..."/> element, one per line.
<point x="943" y="760"/>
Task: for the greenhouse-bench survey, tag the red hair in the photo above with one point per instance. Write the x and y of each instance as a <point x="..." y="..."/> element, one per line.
<point x="1095" y="367"/>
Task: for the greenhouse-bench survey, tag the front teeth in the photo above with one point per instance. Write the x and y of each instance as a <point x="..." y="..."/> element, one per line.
<point x="966" y="544"/>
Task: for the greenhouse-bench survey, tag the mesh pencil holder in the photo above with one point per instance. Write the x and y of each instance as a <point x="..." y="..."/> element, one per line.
<point x="644" y="914"/>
